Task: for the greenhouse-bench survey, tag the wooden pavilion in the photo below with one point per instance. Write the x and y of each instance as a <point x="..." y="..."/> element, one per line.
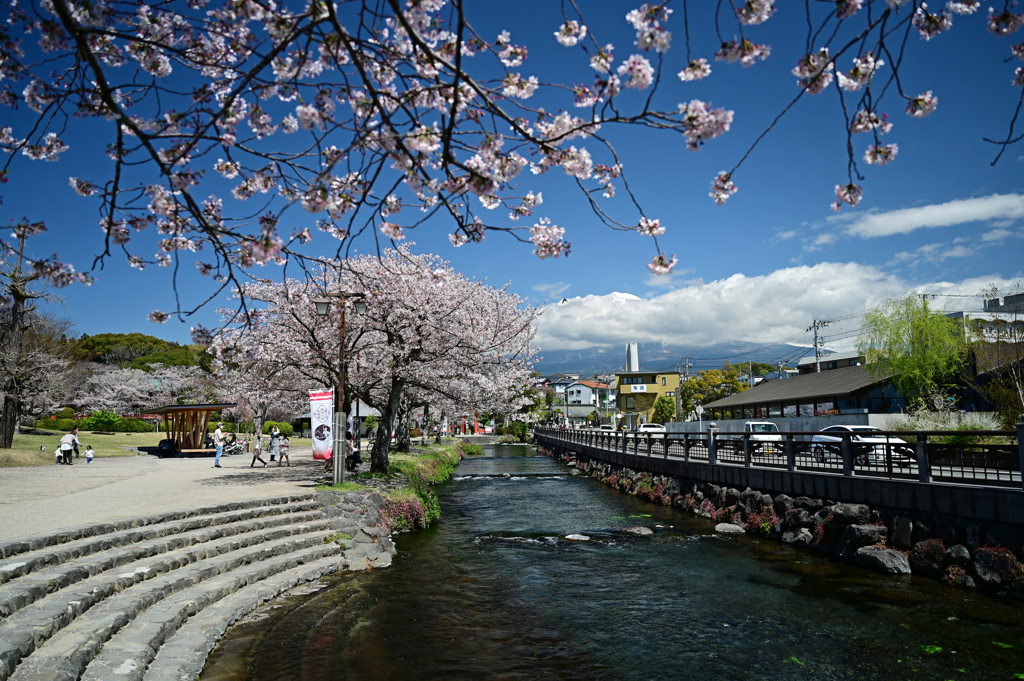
<point x="186" y="426"/>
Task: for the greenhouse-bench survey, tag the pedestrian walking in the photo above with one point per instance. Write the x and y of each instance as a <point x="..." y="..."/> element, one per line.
<point x="284" y="452"/>
<point x="218" y="442"/>
<point x="88" y="453"/>
<point x="257" y="446"/>
<point x="68" y="443"/>
<point x="275" y="443"/>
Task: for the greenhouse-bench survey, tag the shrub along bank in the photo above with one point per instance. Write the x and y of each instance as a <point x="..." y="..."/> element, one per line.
<point x="409" y="499"/>
<point x="960" y="551"/>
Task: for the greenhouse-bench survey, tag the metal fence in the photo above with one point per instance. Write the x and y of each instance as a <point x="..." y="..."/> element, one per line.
<point x="939" y="456"/>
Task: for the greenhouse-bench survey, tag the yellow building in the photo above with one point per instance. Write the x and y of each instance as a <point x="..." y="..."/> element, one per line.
<point x="637" y="391"/>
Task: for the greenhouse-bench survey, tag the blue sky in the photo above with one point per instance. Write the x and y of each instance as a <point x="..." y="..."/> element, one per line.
<point x="938" y="219"/>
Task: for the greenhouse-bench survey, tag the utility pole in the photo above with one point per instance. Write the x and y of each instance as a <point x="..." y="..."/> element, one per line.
<point x="779" y="365"/>
<point x="817" y="324"/>
<point x="750" y="374"/>
<point x="684" y="368"/>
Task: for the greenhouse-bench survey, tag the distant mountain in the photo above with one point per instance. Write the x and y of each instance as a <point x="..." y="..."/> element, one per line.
<point x="654" y="356"/>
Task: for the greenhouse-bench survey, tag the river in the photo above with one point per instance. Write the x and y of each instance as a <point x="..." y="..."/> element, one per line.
<point x="494" y="592"/>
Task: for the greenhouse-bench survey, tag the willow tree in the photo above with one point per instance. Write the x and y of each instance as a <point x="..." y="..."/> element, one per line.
<point x="915" y="347"/>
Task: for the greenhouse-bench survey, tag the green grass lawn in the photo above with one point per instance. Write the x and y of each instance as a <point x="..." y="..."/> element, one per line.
<point x="26" y="452"/>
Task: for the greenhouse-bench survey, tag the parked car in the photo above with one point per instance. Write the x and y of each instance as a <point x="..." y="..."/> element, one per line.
<point x="764" y="437"/>
<point x="865" y="447"/>
<point x="650" y="428"/>
<point x="606" y="426"/>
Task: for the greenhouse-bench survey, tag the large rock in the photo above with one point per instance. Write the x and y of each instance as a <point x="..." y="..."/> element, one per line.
<point x="958" y="555"/>
<point x="902" y="533"/>
<point x="748" y="500"/>
<point x="888" y="561"/>
<point x="765" y="502"/>
<point x="857" y="536"/>
<point x="851" y="514"/>
<point x="639" y="531"/>
<point x="732" y="496"/>
<point x="927" y="557"/>
<point x="782" y="504"/>
<point x="799" y="517"/>
<point x="729" y="528"/>
<point x="800" y="537"/>
<point x="995" y="567"/>
<point x="806" y="502"/>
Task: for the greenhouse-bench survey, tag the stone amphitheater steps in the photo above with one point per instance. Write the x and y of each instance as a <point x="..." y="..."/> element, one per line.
<point x="152" y="595"/>
<point x="33" y="554"/>
<point x="33" y="585"/>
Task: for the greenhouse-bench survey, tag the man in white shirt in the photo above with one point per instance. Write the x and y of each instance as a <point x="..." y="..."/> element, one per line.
<point x="68" y="444"/>
<point x="218" y="442"/>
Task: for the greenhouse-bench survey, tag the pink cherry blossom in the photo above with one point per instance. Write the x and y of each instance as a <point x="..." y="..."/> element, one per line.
<point x="701" y="122"/>
<point x="722" y="188"/>
<point x="1018" y="51"/>
<point x="1005" y="22"/>
<point x="963" y="6"/>
<point x="648" y="20"/>
<point x="695" y="70"/>
<point x="636" y="72"/>
<point x="661" y="265"/>
<point x="81" y="187"/>
<point x="650" y="227"/>
<point x="602" y="61"/>
<point x="158" y="316"/>
<point x="922" y="105"/>
<point x="1018" y="77"/>
<point x="861" y="73"/>
<point x="571" y="33"/>
<point x="847" y="8"/>
<point x="814" y="71"/>
<point x="548" y="239"/>
<point x="881" y="154"/>
<point x="743" y="51"/>
<point x="847" y="193"/>
<point x="756" y="11"/>
<point x="867" y="121"/>
<point x="392" y="231"/>
<point x="929" y="25"/>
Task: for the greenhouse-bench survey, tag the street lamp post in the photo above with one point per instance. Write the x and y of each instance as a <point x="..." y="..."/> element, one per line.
<point x="323" y="308"/>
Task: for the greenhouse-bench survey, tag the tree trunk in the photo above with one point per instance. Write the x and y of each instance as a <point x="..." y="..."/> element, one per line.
<point x="403" y="438"/>
<point x="382" y="444"/>
<point x="13" y="338"/>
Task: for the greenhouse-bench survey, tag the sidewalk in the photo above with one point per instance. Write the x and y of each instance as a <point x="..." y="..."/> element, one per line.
<point x="49" y="498"/>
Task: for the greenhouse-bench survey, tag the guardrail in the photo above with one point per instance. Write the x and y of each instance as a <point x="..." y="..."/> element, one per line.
<point x="923" y="460"/>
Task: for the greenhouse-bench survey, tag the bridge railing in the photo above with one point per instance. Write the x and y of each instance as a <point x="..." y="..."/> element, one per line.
<point x="925" y="456"/>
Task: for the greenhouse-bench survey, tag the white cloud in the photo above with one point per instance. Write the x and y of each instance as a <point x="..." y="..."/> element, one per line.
<point x="789" y="234"/>
<point x="933" y="253"/>
<point x="673" y="280"/>
<point x="758" y="309"/>
<point x="997" y="206"/>
<point x="555" y="289"/>
<point x="996" y="235"/>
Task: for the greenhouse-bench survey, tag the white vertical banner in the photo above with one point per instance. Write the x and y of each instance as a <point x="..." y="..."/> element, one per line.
<point x="321" y="409"/>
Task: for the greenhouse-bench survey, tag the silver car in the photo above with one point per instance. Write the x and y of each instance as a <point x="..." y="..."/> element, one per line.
<point x="866" y="447"/>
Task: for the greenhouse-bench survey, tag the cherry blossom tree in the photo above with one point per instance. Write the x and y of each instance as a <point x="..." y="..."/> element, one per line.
<point x="429" y="336"/>
<point x="223" y="117"/>
<point x="126" y="391"/>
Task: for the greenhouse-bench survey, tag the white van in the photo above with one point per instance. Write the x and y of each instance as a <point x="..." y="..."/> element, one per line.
<point x="651" y="428"/>
<point x="764" y="437"/>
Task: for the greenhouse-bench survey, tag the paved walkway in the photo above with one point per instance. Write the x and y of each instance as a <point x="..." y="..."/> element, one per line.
<point x="49" y="498"/>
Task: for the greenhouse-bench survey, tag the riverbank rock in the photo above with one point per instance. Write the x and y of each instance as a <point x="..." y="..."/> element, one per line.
<point x="729" y="528"/>
<point x="813" y="505"/>
<point x="639" y="531"/>
<point x="782" y="504"/>
<point x="857" y="536"/>
<point x="958" y="555"/>
<point x="800" y="537"/>
<point x="799" y="517"/>
<point x="576" y="537"/>
<point x="879" y="559"/>
<point x="851" y="514"/>
<point x="927" y="557"/>
<point x="902" y="531"/>
<point x="996" y="567"/>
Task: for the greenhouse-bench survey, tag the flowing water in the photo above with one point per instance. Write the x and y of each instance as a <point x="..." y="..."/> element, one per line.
<point x="495" y="592"/>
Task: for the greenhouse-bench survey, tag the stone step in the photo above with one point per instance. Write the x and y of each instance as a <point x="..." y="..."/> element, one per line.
<point x="113" y="649"/>
<point x="41" y="552"/>
<point x="106" y="602"/>
<point x="183" y="656"/>
<point x="34" y="586"/>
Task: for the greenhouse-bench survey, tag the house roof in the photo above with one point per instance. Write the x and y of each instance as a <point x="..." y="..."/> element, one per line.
<point x="590" y="384"/>
<point x="853" y="354"/>
<point x="832" y="383"/>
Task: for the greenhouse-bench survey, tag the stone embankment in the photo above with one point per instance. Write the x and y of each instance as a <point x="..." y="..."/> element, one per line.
<point x="149" y="597"/>
<point x="960" y="551"/>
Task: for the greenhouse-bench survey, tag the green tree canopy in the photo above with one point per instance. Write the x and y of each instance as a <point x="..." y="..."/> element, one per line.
<point x="664" y="409"/>
<point x="917" y="347"/>
<point x="708" y="386"/>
